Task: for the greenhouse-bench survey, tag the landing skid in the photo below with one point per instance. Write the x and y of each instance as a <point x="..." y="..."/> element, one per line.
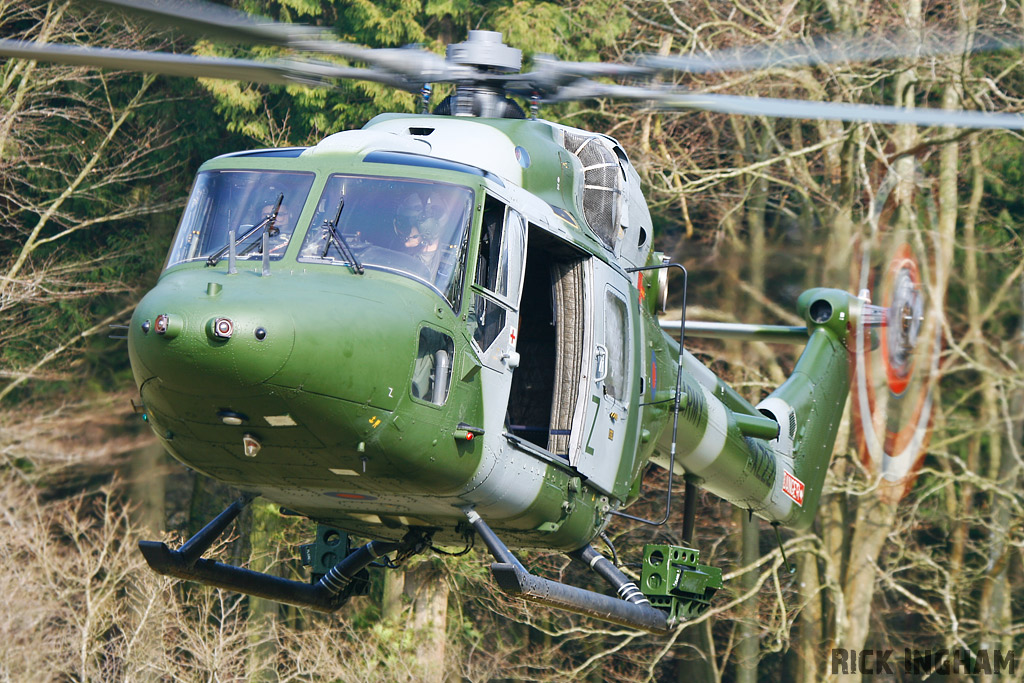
<point x="632" y="609"/>
<point x="673" y="580"/>
<point x="326" y="595"/>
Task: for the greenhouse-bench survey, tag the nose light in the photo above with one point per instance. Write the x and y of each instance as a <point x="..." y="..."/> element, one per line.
<point x="167" y="326"/>
<point x="230" y="417"/>
<point x="223" y="328"/>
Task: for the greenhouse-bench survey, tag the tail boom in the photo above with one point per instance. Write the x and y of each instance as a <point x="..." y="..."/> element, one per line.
<point x="779" y="479"/>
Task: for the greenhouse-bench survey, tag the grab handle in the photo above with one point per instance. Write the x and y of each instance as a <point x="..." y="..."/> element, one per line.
<point x="601" y="359"/>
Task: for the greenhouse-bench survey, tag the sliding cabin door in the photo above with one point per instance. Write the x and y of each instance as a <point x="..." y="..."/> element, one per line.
<point x="610" y="377"/>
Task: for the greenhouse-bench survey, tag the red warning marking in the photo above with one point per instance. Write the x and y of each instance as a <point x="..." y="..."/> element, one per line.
<point x="794" y="488"/>
<point x="349" y="496"/>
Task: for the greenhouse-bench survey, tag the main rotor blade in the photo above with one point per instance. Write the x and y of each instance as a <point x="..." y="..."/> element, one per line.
<point x="551" y="75"/>
<point x="413" y="63"/>
<point x="277" y="72"/>
<point x="548" y="63"/>
<point x="792" y="109"/>
<point x="214" y="21"/>
<point x="839" y="111"/>
<point x="832" y="50"/>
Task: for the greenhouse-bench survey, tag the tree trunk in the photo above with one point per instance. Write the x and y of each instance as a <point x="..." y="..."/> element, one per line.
<point x="392" y="602"/>
<point x="264" y="538"/>
<point x="694" y="656"/>
<point x="874" y="521"/>
<point x="147" y="490"/>
<point x="748" y="645"/>
<point x="995" y="608"/>
<point x="809" y="641"/>
<point x="426" y="585"/>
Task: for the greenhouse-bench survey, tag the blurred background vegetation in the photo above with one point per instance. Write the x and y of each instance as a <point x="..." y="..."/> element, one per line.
<point x="94" y="169"/>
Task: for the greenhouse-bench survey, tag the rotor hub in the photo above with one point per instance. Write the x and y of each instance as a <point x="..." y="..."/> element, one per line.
<point x="484" y="49"/>
<point x="903" y="320"/>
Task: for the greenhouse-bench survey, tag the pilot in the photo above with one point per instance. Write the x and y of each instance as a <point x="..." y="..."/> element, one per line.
<point x="423" y="238"/>
<point x="284" y="216"/>
<point x="283" y="224"/>
<point x="417" y="229"/>
<point x="407" y="214"/>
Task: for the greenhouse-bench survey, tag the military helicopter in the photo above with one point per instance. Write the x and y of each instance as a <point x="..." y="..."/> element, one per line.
<point x="444" y="325"/>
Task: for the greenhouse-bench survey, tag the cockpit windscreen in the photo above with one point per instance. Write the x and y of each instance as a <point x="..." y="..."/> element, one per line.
<point x="417" y="228"/>
<point x="239" y="200"/>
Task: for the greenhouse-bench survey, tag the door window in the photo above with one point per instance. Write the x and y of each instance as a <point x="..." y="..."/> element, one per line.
<point x="498" y="274"/>
<point x="615" y="325"/>
<point x="432" y="373"/>
<point x="487" y="320"/>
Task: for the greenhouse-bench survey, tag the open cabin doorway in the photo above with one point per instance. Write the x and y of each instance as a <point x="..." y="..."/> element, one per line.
<point x="544" y="399"/>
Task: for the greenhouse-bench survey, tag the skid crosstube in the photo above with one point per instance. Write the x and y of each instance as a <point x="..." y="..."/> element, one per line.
<point x="632" y="609"/>
<point x="326" y="595"/>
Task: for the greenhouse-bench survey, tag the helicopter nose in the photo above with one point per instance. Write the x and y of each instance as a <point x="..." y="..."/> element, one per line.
<point x="217" y="343"/>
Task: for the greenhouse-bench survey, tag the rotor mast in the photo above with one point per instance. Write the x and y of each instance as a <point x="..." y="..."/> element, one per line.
<point x="486" y="54"/>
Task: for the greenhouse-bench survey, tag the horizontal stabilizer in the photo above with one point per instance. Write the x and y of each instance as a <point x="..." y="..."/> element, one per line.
<point x="778" y="334"/>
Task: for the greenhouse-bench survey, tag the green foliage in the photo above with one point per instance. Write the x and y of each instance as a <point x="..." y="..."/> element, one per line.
<point x="296" y="115"/>
<point x="573" y="32"/>
<point x="391" y="23"/>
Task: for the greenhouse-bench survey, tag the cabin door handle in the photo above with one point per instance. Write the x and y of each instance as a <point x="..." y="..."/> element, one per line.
<point x="601" y="361"/>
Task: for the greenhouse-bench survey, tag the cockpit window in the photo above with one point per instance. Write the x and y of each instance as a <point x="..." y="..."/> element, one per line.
<point x="239" y="200"/>
<point x="417" y="228"/>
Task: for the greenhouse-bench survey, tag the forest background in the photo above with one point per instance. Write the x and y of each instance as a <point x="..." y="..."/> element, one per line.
<point x="94" y="168"/>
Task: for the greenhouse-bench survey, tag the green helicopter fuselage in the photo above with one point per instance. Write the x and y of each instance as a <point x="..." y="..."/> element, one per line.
<point x="434" y="312"/>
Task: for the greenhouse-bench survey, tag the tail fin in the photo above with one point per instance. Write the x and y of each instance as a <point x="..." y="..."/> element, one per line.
<point x="721" y="439"/>
<point x="809" y="406"/>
